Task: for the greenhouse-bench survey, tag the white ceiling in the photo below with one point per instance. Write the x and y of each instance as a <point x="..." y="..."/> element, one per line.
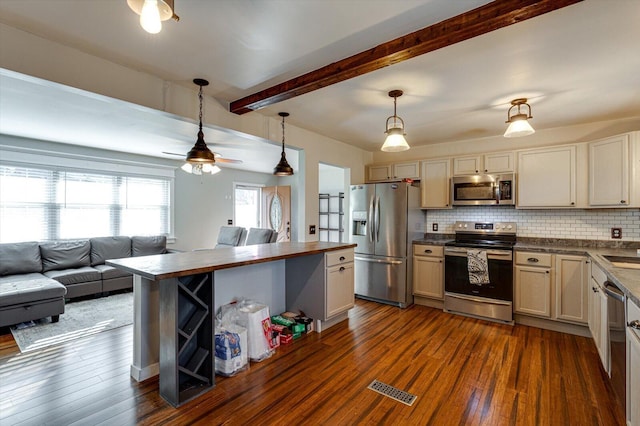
<point x="578" y="64"/>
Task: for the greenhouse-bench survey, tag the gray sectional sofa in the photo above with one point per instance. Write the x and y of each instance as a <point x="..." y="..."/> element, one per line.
<point x="35" y="278"/>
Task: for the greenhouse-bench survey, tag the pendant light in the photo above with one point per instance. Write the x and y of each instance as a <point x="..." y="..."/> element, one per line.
<point x="283" y="168"/>
<point x="395" y="141"/>
<point x="200" y="159"/>
<point x="518" y="122"/>
<point x="152" y="13"/>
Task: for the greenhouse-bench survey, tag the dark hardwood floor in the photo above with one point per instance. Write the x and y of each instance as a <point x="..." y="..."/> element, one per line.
<point x="463" y="371"/>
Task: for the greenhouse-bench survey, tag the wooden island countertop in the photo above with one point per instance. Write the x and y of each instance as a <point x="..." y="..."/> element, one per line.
<point x="173" y="265"/>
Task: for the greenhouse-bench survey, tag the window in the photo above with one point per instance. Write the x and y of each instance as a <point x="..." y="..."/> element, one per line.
<point x="46" y="204"/>
<point x="246" y="205"/>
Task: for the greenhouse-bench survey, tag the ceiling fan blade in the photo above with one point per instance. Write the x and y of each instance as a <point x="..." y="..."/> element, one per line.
<point x="173" y="153"/>
<point x="228" y="160"/>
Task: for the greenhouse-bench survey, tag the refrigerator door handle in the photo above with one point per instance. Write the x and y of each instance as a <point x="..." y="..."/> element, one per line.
<point x="370" y="218"/>
<point x="390" y="262"/>
<point x="377" y="221"/>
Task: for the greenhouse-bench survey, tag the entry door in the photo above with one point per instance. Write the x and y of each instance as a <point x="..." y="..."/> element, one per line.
<point x="276" y="210"/>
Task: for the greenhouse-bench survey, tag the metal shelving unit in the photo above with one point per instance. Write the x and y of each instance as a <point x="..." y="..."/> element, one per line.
<point x="331" y="210"/>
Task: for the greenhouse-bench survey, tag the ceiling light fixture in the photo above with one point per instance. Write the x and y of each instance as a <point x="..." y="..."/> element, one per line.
<point x="152" y="13"/>
<point x="518" y="123"/>
<point x="200" y="159"/>
<point x="283" y="168"/>
<point x="395" y="141"/>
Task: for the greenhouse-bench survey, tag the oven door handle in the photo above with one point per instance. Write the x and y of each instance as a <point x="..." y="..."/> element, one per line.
<point x="455" y="251"/>
<point x="491" y="254"/>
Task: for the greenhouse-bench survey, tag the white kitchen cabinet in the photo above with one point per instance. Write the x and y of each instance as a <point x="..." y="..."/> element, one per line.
<point x="547" y="177"/>
<point x="435" y="184"/>
<point x="613" y="172"/>
<point x="470" y="165"/>
<point x="428" y="271"/>
<point x="393" y="172"/>
<point x="532" y="280"/>
<point x="497" y="162"/>
<point x="339" y="282"/>
<point x="409" y="170"/>
<point x="598" y="314"/>
<point x="571" y="275"/>
<point x="379" y="173"/>
<point x="633" y="364"/>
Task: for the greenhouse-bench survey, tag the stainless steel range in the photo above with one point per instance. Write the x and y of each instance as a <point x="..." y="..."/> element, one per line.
<point x="478" y="271"/>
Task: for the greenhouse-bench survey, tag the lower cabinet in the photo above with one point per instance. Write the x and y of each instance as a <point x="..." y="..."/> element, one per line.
<point x="532" y="282"/>
<point x="551" y="286"/>
<point x="633" y="364"/>
<point x="572" y="281"/>
<point x="428" y="271"/>
<point x="340" y="291"/>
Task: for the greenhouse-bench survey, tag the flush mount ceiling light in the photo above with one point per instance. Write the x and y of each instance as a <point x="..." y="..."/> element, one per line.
<point x="200" y="159"/>
<point x="395" y="141"/>
<point x="518" y="122"/>
<point x="283" y="168"/>
<point x="152" y="13"/>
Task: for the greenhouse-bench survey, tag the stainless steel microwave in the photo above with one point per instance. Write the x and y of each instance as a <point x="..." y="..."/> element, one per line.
<point x="483" y="189"/>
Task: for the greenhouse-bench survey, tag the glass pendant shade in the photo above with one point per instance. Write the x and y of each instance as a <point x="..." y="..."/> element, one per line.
<point x="395" y="141"/>
<point x="519" y="122"/>
<point x="519" y="127"/>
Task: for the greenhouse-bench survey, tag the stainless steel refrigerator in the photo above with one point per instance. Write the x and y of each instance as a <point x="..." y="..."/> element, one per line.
<point x="384" y="220"/>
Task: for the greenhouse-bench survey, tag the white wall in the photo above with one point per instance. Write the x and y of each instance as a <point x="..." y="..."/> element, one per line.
<point x="33" y="55"/>
<point x="204" y="203"/>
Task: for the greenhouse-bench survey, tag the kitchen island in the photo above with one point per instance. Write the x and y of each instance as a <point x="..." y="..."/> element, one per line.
<point x="175" y="300"/>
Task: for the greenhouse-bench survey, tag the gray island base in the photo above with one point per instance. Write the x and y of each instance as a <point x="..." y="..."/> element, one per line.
<point x="176" y="296"/>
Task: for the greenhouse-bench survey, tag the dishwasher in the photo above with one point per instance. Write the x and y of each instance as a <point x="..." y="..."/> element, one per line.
<point x="617" y="341"/>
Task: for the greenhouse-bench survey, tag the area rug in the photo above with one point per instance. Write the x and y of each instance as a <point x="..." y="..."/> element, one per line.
<point x="80" y="319"/>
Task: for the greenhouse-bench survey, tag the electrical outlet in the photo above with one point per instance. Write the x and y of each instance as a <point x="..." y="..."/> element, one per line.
<point x="616" y="233"/>
<point x="229" y="221"/>
<point x="312" y="229"/>
<point x="434" y="227"/>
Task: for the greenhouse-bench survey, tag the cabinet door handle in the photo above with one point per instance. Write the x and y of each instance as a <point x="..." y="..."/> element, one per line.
<point x="533" y="259"/>
<point x="546" y="272"/>
<point x="595" y="290"/>
<point x="428" y="251"/>
<point x="341" y="268"/>
<point x="623" y="202"/>
<point x="342" y="258"/>
<point x="635" y="324"/>
<point x="573" y="204"/>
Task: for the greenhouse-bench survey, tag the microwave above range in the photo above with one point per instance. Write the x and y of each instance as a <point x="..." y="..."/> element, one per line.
<point x="483" y="189"/>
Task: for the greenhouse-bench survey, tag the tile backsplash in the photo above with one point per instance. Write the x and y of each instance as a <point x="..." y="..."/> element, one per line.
<point x="566" y="224"/>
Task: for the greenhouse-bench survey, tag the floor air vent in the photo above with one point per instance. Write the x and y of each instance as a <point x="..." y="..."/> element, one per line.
<point x="391" y="392"/>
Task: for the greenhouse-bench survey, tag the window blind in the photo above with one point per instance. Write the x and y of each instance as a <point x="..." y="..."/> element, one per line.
<point x="44" y="204"/>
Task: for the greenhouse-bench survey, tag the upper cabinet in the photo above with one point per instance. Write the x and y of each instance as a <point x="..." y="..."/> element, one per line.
<point x="497" y="162"/>
<point x="547" y="177"/>
<point x="396" y="171"/>
<point x="434" y="184"/>
<point x="612" y="167"/>
<point x="378" y="173"/>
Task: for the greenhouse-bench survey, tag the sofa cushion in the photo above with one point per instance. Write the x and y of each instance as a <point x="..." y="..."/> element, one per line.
<point x="61" y="255"/>
<point x="20" y="258"/>
<point x="27" y="291"/>
<point x="109" y="272"/>
<point x="144" y="246"/>
<point x="103" y="248"/>
<point x="75" y="276"/>
<point x="21" y="277"/>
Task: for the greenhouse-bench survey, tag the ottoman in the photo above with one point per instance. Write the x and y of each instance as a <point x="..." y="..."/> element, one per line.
<point x="32" y="299"/>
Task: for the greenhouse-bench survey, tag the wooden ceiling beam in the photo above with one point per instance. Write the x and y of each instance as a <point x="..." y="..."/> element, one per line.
<point x="479" y="21"/>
